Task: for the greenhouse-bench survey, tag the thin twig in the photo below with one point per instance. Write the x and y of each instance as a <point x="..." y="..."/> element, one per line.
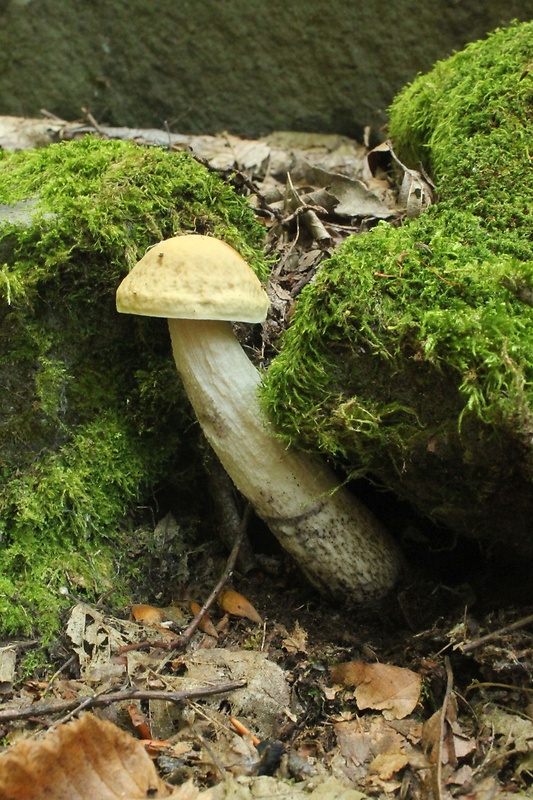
<point x="216" y="761"/>
<point x="185" y="637"/>
<point x="104" y="699"/>
<point x="51" y="115"/>
<point x="85" y="703"/>
<point x="491" y="685"/>
<point x="442" y="732"/>
<point x="92" y="121"/>
<point x="61" y="669"/>
<point x="489" y="637"/>
<point x="181" y="641"/>
<point x="263" y="202"/>
<point x="20" y="645"/>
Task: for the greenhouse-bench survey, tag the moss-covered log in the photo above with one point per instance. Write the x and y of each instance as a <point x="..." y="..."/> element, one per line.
<point x="411" y="356"/>
<point x="91" y="410"/>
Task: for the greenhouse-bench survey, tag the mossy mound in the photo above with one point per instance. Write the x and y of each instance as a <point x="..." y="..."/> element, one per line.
<point x="91" y="409"/>
<point x="469" y="122"/>
<point x="411" y="356"/>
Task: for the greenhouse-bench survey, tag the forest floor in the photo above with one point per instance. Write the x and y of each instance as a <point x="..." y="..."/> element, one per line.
<point x="279" y="693"/>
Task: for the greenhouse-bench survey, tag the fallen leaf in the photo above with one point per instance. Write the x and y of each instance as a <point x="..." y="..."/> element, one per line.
<point x="95" y="640"/>
<point x="352" y="197"/>
<point x="385" y="765"/>
<point x="393" y="690"/>
<point x="87" y="759"/>
<point x="205" y="623"/>
<point x="513" y="729"/>
<point x="371" y="749"/>
<point x="444" y="738"/>
<point x="296" y="642"/>
<point x="234" y="603"/>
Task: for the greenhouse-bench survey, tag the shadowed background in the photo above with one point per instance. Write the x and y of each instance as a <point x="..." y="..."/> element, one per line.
<point x="246" y="66"/>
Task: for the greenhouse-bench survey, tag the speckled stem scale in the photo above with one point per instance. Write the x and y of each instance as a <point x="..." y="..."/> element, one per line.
<point x="337" y="542"/>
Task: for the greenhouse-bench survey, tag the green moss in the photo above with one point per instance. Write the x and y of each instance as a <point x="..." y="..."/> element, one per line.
<point x="91" y="409"/>
<point x="440" y="301"/>
<point x="35" y="664"/>
<point x="411" y="356"/>
<point x="469" y="121"/>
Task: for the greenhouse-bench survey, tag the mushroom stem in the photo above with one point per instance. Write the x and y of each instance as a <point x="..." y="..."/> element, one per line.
<point x="337" y="542"/>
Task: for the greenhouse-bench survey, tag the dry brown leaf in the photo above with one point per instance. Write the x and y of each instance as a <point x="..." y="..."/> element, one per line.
<point x="445" y="738"/>
<point x="372" y="750"/>
<point x="351" y="197"/>
<point x="205" y="623"/>
<point x="87" y="759"/>
<point x="234" y="603"/>
<point x="385" y="765"/>
<point x="95" y="640"/>
<point x="393" y="690"/>
<point x="296" y="642"/>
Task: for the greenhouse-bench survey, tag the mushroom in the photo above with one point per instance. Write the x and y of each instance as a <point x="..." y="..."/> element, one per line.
<point x="200" y="284"/>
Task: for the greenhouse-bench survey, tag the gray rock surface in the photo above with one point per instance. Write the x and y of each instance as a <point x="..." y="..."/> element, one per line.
<point x="246" y="67"/>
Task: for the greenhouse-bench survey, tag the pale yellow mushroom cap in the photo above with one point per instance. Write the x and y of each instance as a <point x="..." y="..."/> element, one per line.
<point x="193" y="277"/>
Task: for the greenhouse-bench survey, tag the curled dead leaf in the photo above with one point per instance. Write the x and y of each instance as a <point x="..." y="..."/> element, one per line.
<point x="393" y="690"/>
<point x="416" y="193"/>
<point x="234" y="603"/>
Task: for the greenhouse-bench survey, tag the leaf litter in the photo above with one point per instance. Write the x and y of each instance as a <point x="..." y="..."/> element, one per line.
<point x="276" y="693"/>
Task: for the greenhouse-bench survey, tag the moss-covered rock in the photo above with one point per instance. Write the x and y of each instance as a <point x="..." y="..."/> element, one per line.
<point x="91" y="409"/>
<point x="411" y="356"/>
<point x="469" y="122"/>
